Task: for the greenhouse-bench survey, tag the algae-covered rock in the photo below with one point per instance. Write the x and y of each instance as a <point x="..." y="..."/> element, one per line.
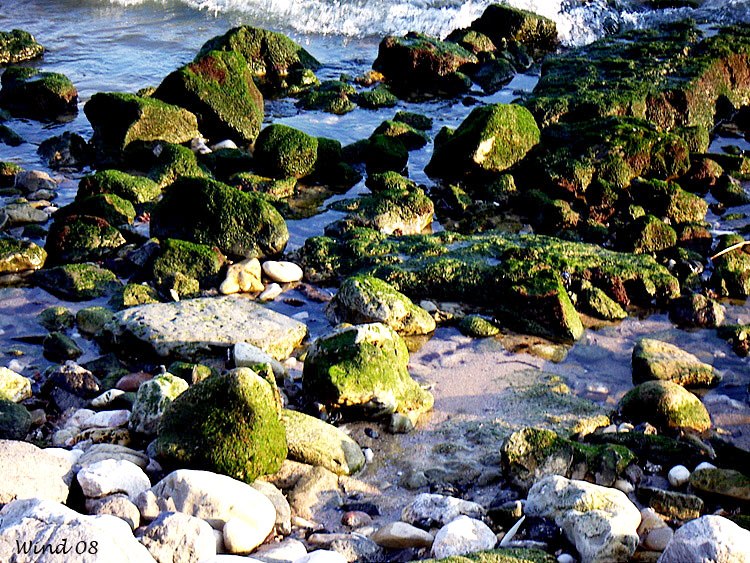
<point x="81" y="238"/>
<point x="666" y="405"/>
<point x="283" y="152"/>
<point x="8" y="173"/>
<point x="332" y="96"/>
<point x="721" y="482"/>
<point x="738" y="336"/>
<point x="198" y="261"/>
<point x="165" y="162"/>
<point x="647" y="234"/>
<point x="657" y="360"/>
<point x="91" y="320"/>
<point x="366" y="299"/>
<point x="671" y="504"/>
<point x="315" y="442"/>
<point x="379" y="97"/>
<point x="389" y="180"/>
<point x="478" y="326"/>
<point x="28" y="92"/>
<point x="217" y="87"/>
<point x="363" y="367"/>
<point x="77" y="282"/>
<point x="272" y="58"/>
<point x="502" y="23"/>
<point x="384" y="153"/>
<point x="228" y="424"/>
<point x="731" y="275"/>
<point x="667" y="199"/>
<point x="20" y="256"/>
<point x="135" y="189"/>
<point x="56" y="318"/>
<point x="58" y="347"/>
<point x="595" y="302"/>
<point x="656" y="448"/>
<point x="508" y="555"/>
<point x="204" y="326"/>
<point x="530" y="454"/>
<point x="249" y="182"/>
<point x="114" y="209"/>
<point x="18" y="46"/>
<point x="411" y="138"/>
<point x="491" y="139"/>
<point x="393" y="211"/>
<point x="15" y="421"/>
<point x="119" y="119"/>
<point x="133" y="294"/>
<point x="417" y="64"/>
<point x="696" y="310"/>
<point x="151" y="401"/>
<point x="209" y="212"/>
<point x="192" y="373"/>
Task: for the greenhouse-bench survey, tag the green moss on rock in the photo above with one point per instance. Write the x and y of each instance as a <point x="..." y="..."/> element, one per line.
<point x="110" y="207"/>
<point x="416" y="120"/>
<point x="379" y="97"/>
<point x="199" y="261"/>
<point x="509" y="555"/>
<point x="411" y="138"/>
<point x="666" y="405"/>
<point x="284" y="152"/>
<point x="478" y="327"/>
<point x="91" y="320"/>
<point x="332" y="96"/>
<point x="738" y="336"/>
<point x="77" y="282"/>
<point x="504" y="23"/>
<point x="395" y="211"/>
<point x="134" y="294"/>
<point x="389" y="180"/>
<point x="248" y="182"/>
<point x="8" y="173"/>
<point x="228" y="424"/>
<point x="82" y="238"/>
<point x="135" y="189"/>
<point x="19" y="256"/>
<point x="28" y="92"/>
<point x="731" y="275"/>
<point x="647" y="234"/>
<point x="656" y="360"/>
<point x="56" y="318"/>
<point x="15" y="421"/>
<point x="18" y="46"/>
<point x="722" y="483"/>
<point x="190" y="372"/>
<point x="382" y="153"/>
<point x="57" y="347"/>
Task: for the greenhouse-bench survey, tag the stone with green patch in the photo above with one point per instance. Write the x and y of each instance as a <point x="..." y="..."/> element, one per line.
<point x="15" y="421"/>
<point x="20" y="256"/>
<point x="112" y="208"/>
<point x="726" y="483"/>
<point x="81" y="238"/>
<point x="29" y="92"/>
<point x="77" y="282"/>
<point x="666" y="405"/>
<point x="478" y="326"/>
<point x="58" y="347"/>
<point x="199" y="261"/>
<point x="282" y="152"/>
<point x="506" y="555"/>
<point x="91" y="320"/>
<point x="14" y="387"/>
<point x="17" y="46"/>
<point x="56" y="318"/>
<point x="135" y="189"/>
<point x="394" y="211"/>
<point x="411" y="138"/>
<point x="502" y="23"/>
<point x="657" y="360"/>
<point x="151" y="401"/>
<point x="731" y="275"/>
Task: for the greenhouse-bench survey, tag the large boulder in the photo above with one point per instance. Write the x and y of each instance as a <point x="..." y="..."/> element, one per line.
<point x="187" y="329"/>
<point x="20" y="256"/>
<point x="708" y="538"/>
<point x="136" y="189"/>
<point x="601" y="522"/>
<point x="219" y="89"/>
<point x="30" y="471"/>
<point x="119" y="119"/>
<point x="657" y="360"/>
<point x="209" y="212"/>
<point x="666" y="405"/>
<point x="364" y="367"/>
<point x="81" y="238"/>
<point x="274" y="60"/>
<point x="35" y="523"/>
<point x="491" y="139"/>
<point x="17" y="46"/>
<point x="28" y="92"/>
<point x="285" y="152"/>
<point x="502" y="23"/>
<point x="226" y="423"/>
<point x="367" y="299"/>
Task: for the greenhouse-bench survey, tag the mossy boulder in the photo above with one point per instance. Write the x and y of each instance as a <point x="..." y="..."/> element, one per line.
<point x="228" y="424"/>
<point x="383" y="153"/>
<point x="366" y="299"/>
<point x="722" y="483"/>
<point x="28" y="92"/>
<point x="388" y="180"/>
<point x="282" y="152"/>
<point x="416" y="120"/>
<point x="731" y="275"/>
<point x="696" y="310"/>
<point x="77" y="282"/>
<point x="218" y="88"/>
<point x="646" y="234"/>
<point x="151" y="401"/>
<point x="416" y="64"/>
<point x="15" y="421"/>
<point x="363" y="368"/>
<point x="18" y="46"/>
<point x="273" y="59"/>
<point x="491" y="139"/>
<point x="376" y="98"/>
<point x="112" y="208"/>
<point x="191" y="372"/>
<point x="411" y="138"/>
<point x="20" y="256"/>
<point x="730" y="192"/>
<point x="595" y="302"/>
<point x="56" y="318"/>
<point x="529" y="454"/>
<point x="135" y="189"/>
<point x="502" y="23"/>
<point x="312" y="441"/>
<point x="656" y="448"/>
<point x="165" y="162"/>
<point x="133" y="294"/>
<point x="91" y="320"/>
<point x="667" y="199"/>
<point x="657" y="360"/>
<point x="81" y="238"/>
<point x="209" y="212"/>
<point x="199" y="261"/>
<point x="119" y="119"/>
<point x="478" y="327"/>
<point x="666" y="405"/>
<point x="332" y="96"/>
<point x="394" y="211"/>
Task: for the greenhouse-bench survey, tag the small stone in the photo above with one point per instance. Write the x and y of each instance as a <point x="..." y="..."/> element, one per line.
<point x="705" y="465"/>
<point x="624" y="485"/>
<point x="282" y="272"/>
<point x="132" y="381"/>
<point x="249" y="355"/>
<point x="356" y="519"/>
<point x="106" y="398"/>
<point x="323" y="556"/>
<point x="658" y="538"/>
<point x="14" y="387"/>
<point x="429" y="510"/>
<point x="225" y="144"/>
<point x="625" y="427"/>
<point x="287" y="550"/>
<point x="243" y="277"/>
<point x="112" y="476"/>
<point x="106" y="419"/>
<point x="400" y="424"/>
<point x="272" y="291"/>
<point x="34" y="180"/>
<point x="116" y="505"/>
<point x="678" y="475"/>
<point x="463" y="535"/>
<point x="240" y="537"/>
<point x="400" y="535"/>
<point x="650" y="520"/>
<point x="175" y="536"/>
<point x="565" y="558"/>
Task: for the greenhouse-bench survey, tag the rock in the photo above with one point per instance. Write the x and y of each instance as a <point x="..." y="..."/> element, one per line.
<point x="272" y="291"/>
<point x="152" y="399"/>
<point x="14" y="387"/>
<point x="209" y="212"/>
<point x="136" y="189"/>
<point x="366" y="299"/>
<point x="478" y="327"/>
<point x="356" y="548"/>
<point x="411" y="138"/>
<point x="218" y="87"/>
<point x="106" y="419"/>
<point x="175" y="536"/>
<point x="671" y="504"/>
<point x="23" y="212"/>
<point x="82" y="238"/>
<point x="227" y="423"/>
<point x="279" y="64"/>
<point x="30" y="181"/>
<point x="666" y="405"/>
<point x="647" y="234"/>
<point x="658" y="538"/>
<point x="15" y="421"/>
<point x="280" y="504"/>
<point x="504" y="23"/>
<point x="428" y="510"/>
<point x="668" y="200"/>
<point x="35" y="522"/>
<point x="114" y="209"/>
<point x="708" y="538"/>
<point x="29" y="92"/>
<point x="198" y="261"/>
<point x="59" y="347"/>
<point x="115" y="505"/>
<point x="286" y="550"/>
<point x="133" y="381"/>
<point x="678" y="475"/>
<point x="600" y="522"/>
<point x="77" y="282"/>
<point x="248" y="356"/>
<point x="119" y="119"/>
<point x="657" y="360"/>
<point x="356" y="519"/>
<point x="68" y="150"/>
<point x="400" y="535"/>
<point x="382" y="97"/>
<point x="56" y="319"/>
<point x="314" y="490"/>
<point x="597" y="303"/>
<point x="282" y="272"/>
<point x="395" y="211"/>
<point x="364" y="366"/>
<point x="217" y="499"/>
<point x="70" y="385"/>
<point x="32" y="472"/>
<point x="187" y="329"/>
<point x="417" y="64"/>
<point x="721" y="482"/>
<point x="112" y="476"/>
<point x="332" y="96"/>
<point x="18" y="46"/>
<point x="463" y="535"/>
<point x="696" y="310"/>
<point x="650" y="520"/>
<point x="91" y="320"/>
<point x="322" y="556"/>
<point x="243" y="277"/>
<point x="491" y="139"/>
<point x="730" y="276"/>
<point x="20" y="256"/>
<point x="101" y="452"/>
<point x="315" y="442"/>
<point x="285" y="152"/>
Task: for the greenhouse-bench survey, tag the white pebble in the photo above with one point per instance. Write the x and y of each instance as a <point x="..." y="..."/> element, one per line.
<point x="678" y="475"/>
<point x="282" y="272"/>
<point x="225" y="144"/>
<point x="625" y="486"/>
<point x="565" y="558"/>
<point x="369" y="456"/>
<point x="704" y="465"/>
<point x="272" y="291"/>
<point x="106" y="398"/>
<point x="625" y="427"/>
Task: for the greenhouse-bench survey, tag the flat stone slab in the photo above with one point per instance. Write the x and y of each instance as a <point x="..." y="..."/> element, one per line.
<point x="208" y="325"/>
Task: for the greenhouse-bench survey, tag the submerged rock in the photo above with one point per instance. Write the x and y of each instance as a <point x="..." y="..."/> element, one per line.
<point x="696" y="310"/>
<point x="187" y="329"/>
<point x="657" y="360"/>
<point x="666" y="405"/>
<point x="18" y="46"/>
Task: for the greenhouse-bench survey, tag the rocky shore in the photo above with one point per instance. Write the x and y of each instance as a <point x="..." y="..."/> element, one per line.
<point x="211" y="395"/>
